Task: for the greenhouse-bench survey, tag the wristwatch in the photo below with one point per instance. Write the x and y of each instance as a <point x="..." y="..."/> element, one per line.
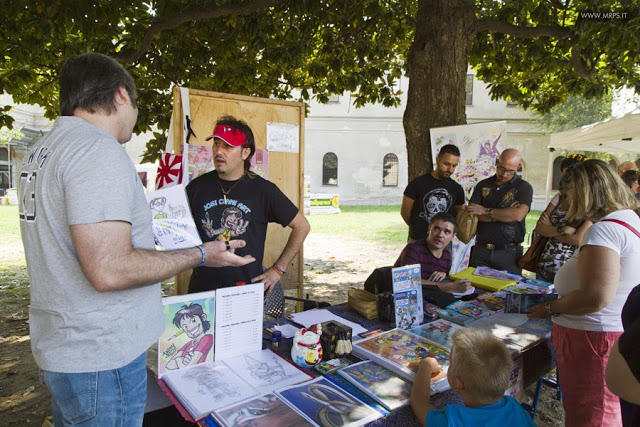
<point x="547" y="306"/>
<point x="490" y="212"/>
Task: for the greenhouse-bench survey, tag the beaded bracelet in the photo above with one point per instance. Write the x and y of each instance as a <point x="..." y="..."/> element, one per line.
<point x="203" y="256"/>
<point x="278" y="270"/>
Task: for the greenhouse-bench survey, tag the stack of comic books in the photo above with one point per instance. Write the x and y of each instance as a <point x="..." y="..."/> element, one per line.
<point x="400" y="351"/>
<point x="407" y="292"/>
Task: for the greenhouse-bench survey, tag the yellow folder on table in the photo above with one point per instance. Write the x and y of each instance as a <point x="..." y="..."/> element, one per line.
<point x="482" y="282"/>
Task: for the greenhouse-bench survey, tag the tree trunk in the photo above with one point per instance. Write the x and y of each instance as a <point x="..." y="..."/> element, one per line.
<point x="437" y="69"/>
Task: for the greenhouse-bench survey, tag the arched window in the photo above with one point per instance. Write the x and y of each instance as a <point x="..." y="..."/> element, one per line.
<point x="555" y="182"/>
<point x="330" y="169"/>
<point x="390" y="170"/>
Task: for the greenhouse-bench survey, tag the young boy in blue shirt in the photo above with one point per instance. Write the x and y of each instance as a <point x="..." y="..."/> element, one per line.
<point x="479" y="370"/>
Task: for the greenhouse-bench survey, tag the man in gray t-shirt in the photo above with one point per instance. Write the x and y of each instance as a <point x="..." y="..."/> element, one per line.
<point x="86" y="228"/>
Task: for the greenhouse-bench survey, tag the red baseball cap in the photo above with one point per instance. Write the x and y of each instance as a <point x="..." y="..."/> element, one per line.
<point x="228" y="134"/>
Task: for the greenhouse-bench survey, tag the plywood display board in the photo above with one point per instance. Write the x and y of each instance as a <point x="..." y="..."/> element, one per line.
<point x="285" y="169"/>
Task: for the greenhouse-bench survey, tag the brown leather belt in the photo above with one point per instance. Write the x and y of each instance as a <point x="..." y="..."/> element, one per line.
<point x="492" y="247"/>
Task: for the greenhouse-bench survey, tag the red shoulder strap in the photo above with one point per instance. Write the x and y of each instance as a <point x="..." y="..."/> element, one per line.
<point x="625" y="224"/>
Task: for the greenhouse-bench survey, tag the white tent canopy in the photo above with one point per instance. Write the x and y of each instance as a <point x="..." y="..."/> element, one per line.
<point x="616" y="135"/>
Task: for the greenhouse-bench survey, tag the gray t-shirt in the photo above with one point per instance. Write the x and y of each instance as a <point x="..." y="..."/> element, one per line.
<point x="79" y="174"/>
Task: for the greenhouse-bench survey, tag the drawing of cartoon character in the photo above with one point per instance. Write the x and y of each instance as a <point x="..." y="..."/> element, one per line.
<point x="212" y="383"/>
<point x="231" y="225"/>
<point x="157" y="206"/>
<point x="264" y="372"/>
<point x="193" y="322"/>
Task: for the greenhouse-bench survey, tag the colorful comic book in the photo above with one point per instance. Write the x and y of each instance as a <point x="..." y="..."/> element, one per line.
<point x="526" y="288"/>
<point x="468" y="309"/>
<point x="492" y="273"/>
<point x="439" y="332"/>
<point x="400" y="351"/>
<point x="541" y="283"/>
<point x="455" y="317"/>
<point x="430" y="311"/>
<point x="407" y="291"/>
<point x="379" y="383"/>
<point x="486" y="305"/>
<point x="495" y="298"/>
<point x="520" y="303"/>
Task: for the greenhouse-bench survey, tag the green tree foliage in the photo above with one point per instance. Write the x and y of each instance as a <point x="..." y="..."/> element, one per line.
<point x="534" y="52"/>
<point x="7" y="135"/>
<point x="574" y="112"/>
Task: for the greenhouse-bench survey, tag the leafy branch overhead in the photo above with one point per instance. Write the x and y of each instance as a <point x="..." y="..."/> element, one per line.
<point x="533" y="52"/>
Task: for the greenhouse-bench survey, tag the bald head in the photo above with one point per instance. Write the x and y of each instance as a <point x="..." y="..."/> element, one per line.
<point x="510" y="155"/>
<point x="507" y="165"/>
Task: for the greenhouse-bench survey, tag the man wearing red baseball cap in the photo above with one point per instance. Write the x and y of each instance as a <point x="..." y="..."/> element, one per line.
<point x="232" y="202"/>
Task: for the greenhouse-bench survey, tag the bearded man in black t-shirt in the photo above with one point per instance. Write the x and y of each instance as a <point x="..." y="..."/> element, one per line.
<point x="432" y="193"/>
<point x="233" y="202"/>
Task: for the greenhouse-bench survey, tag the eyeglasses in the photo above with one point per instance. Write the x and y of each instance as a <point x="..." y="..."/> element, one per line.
<point x="505" y="171"/>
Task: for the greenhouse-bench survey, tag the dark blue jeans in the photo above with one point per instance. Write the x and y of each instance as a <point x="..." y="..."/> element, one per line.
<point x="105" y="398"/>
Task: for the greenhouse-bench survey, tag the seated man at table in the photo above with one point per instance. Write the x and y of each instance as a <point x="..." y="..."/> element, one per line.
<point x="434" y="256"/>
<point x="479" y="370"/>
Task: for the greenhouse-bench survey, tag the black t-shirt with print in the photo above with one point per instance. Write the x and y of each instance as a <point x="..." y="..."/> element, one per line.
<point x="251" y="204"/>
<point x="490" y="195"/>
<point x="431" y="196"/>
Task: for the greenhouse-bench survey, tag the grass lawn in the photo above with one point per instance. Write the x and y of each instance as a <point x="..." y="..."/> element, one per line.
<point x="14" y="280"/>
<point x="9" y="224"/>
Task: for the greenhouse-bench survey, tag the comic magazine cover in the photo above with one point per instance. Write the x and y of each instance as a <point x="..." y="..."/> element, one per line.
<point x="439" y="332"/>
<point x="266" y="410"/>
<point x="401" y="351"/>
<point x="407" y="291"/>
<point x="455" y="317"/>
<point x="325" y="404"/>
<point x="494" y="298"/>
<point x="188" y="331"/>
<point x="520" y="303"/>
<point x="379" y="383"/>
<point x="471" y="310"/>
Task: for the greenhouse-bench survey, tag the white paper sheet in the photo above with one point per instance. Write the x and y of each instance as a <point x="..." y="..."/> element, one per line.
<point x="313" y="317"/>
<point x="239" y="311"/>
<point x="283" y="137"/>
<point x="288" y="331"/>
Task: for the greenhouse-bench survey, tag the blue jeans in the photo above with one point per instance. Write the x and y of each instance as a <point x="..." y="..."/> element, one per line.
<point x="105" y="398"/>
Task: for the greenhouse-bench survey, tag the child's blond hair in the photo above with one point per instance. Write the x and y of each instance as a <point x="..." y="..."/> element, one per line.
<point x="483" y="364"/>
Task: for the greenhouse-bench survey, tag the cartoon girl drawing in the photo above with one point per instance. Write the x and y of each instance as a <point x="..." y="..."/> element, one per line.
<point x="193" y="321"/>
